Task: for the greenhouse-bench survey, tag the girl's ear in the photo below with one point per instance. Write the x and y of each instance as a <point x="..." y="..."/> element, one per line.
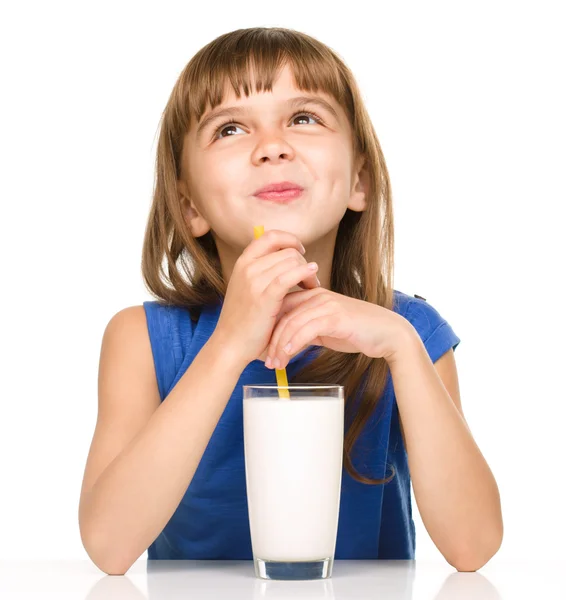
<point x="360" y="187"/>
<point x="195" y="221"/>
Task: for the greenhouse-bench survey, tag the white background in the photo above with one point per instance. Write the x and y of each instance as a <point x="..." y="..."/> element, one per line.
<point x="468" y="103"/>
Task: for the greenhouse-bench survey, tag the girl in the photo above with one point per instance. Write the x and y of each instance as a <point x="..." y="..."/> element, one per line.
<point x="165" y="471"/>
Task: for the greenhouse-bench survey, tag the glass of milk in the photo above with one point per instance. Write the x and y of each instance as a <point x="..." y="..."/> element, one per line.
<point x="293" y="457"/>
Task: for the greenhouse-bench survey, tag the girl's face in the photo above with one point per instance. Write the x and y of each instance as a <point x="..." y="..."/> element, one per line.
<point x="269" y="141"/>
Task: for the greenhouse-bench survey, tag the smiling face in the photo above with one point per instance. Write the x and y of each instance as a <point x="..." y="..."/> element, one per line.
<point x="268" y="139"/>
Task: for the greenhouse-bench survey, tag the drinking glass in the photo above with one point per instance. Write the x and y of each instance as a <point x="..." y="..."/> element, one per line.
<point x="293" y="459"/>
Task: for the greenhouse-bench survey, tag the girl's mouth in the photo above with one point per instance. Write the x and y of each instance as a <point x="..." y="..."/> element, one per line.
<point x="283" y="197"/>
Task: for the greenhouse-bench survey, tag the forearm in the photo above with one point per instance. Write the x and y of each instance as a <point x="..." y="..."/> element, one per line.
<point x="455" y="490"/>
<point x="134" y="498"/>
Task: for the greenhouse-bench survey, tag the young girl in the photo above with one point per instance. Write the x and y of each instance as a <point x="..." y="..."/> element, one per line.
<point x="165" y="470"/>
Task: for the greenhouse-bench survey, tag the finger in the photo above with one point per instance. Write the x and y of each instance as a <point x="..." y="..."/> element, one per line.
<point x="271" y="241"/>
<point x="304" y="330"/>
<point x="294" y="299"/>
<point x="285" y="270"/>
<point x="282" y="278"/>
<point x="269" y="261"/>
<point x="310" y="284"/>
<point x="310" y="301"/>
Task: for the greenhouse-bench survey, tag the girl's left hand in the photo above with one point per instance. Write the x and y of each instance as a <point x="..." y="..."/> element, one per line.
<point x="321" y="317"/>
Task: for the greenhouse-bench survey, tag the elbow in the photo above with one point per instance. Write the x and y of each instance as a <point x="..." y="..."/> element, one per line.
<point x="106" y="555"/>
<point x="111" y="568"/>
<point x="474" y="555"/>
<point x="468" y="563"/>
<point x="107" y="562"/>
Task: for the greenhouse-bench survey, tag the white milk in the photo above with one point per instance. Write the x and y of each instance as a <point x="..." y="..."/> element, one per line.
<point x="293" y="456"/>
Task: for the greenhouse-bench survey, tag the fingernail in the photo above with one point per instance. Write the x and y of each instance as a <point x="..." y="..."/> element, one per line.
<point x="268" y="363"/>
<point x="312" y="266"/>
<point x="303" y="249"/>
<point x="277" y="363"/>
<point x="287" y="348"/>
<point x="317" y="281"/>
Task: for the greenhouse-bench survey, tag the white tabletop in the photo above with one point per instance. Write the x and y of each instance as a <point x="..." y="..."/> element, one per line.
<point x="235" y="580"/>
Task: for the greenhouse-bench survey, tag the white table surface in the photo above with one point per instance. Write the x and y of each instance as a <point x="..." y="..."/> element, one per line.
<point x="235" y="580"/>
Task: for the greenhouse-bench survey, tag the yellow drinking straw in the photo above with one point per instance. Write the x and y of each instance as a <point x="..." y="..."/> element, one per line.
<point x="281" y="374"/>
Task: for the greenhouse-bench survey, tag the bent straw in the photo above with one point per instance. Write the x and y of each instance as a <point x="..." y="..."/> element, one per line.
<point x="281" y="374"/>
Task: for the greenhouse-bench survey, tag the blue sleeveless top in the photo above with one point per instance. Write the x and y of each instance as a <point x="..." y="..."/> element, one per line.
<point x="211" y="521"/>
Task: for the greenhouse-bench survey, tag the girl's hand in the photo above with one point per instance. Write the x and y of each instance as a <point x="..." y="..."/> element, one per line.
<point x="323" y="318"/>
<point x="262" y="276"/>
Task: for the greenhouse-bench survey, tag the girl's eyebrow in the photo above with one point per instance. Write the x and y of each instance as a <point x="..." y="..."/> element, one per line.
<point x="235" y="111"/>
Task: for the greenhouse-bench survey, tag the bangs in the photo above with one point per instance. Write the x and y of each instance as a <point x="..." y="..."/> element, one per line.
<point x="251" y="62"/>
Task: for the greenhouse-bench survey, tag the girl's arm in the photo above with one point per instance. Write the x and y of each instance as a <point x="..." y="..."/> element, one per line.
<point x="456" y="492"/>
<point x="144" y="453"/>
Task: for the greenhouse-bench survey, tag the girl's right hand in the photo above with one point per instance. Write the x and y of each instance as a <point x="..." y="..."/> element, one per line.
<point x="263" y="275"/>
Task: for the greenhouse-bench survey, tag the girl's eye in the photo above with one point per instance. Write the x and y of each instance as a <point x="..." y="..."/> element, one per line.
<point x="230" y="124"/>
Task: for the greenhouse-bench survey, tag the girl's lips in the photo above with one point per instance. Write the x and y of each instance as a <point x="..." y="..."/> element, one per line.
<point x="283" y="197"/>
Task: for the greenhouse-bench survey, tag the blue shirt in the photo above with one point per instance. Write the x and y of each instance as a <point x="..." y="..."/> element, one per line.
<point x="211" y="521"/>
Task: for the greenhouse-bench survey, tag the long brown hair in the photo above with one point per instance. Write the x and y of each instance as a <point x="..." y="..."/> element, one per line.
<point x="182" y="270"/>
